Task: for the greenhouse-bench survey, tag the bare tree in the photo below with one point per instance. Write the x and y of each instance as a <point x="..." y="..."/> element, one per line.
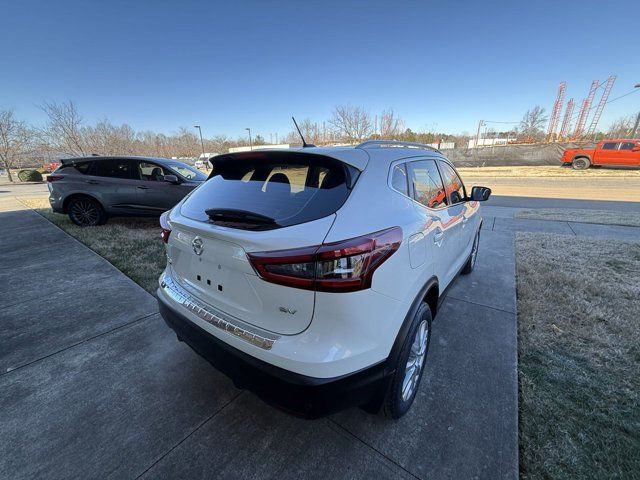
<point x="63" y="132"/>
<point x="107" y="139"/>
<point x="15" y="140"/>
<point x="533" y="122"/>
<point x="351" y="123"/>
<point x="391" y="126"/>
<point x="621" y="127"/>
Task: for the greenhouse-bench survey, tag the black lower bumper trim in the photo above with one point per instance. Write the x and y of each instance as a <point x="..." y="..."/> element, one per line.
<point x="297" y="394"/>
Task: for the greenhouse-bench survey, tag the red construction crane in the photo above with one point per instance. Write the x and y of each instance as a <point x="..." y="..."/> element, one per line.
<point x="584" y="111"/>
<point x="566" y="121"/>
<point x="555" y="113"/>
<point x="603" y="101"/>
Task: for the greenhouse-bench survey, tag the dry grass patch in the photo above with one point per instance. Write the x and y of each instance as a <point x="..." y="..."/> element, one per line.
<point x="546" y="171"/>
<point x="579" y="356"/>
<point x="132" y="245"/>
<point x="603" y="217"/>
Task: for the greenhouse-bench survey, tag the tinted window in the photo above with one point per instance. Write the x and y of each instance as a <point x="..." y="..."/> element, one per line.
<point x="287" y="188"/>
<point x="427" y="184"/>
<point x="150" y="172"/>
<point x="452" y="183"/>
<point x="627" y="146"/>
<point x="112" y="168"/>
<point x="609" y="146"/>
<point x="83" y="167"/>
<point x="399" y="179"/>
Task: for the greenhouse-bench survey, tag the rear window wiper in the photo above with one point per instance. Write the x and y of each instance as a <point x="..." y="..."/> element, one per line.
<point x="244" y="216"/>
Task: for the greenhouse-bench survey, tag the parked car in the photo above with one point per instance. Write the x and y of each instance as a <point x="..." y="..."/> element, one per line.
<point x="619" y="152"/>
<point x="91" y="189"/>
<point x="311" y="277"/>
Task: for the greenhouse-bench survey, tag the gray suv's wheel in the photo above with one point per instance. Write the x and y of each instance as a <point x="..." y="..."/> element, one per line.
<point x="410" y="365"/>
<point x="86" y="212"/>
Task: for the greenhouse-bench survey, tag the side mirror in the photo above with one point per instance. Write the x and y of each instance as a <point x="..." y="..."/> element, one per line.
<point x="171" y="179"/>
<point x="480" y="194"/>
<point x="636" y="148"/>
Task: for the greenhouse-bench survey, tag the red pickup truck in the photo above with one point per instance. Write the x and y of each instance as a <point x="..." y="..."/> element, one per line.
<point x="620" y="151"/>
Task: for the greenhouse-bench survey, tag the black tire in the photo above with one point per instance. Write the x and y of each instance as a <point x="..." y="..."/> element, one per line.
<point x="471" y="261"/>
<point x="397" y="403"/>
<point x="581" y="163"/>
<point x="86" y="212"/>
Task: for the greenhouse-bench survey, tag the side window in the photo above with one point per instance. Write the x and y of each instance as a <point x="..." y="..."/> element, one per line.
<point x="399" y="179"/>
<point x="150" y="172"/>
<point x="452" y="183"/>
<point x="83" y="167"/>
<point x="609" y="146"/>
<point x="112" y="168"/>
<point x="627" y="146"/>
<point x="427" y="184"/>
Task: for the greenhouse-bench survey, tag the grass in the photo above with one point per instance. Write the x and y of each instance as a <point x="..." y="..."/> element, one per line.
<point x="604" y="217"/>
<point x="132" y="245"/>
<point x="579" y="357"/>
<point x="546" y="171"/>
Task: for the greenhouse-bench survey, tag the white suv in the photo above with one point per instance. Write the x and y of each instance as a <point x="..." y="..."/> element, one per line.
<point x="311" y="276"/>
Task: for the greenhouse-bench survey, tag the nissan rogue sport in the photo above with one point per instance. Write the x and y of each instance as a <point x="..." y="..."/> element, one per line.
<point x="311" y="276"/>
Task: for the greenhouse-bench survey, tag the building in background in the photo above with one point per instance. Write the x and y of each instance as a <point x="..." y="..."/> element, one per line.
<point x="257" y="147"/>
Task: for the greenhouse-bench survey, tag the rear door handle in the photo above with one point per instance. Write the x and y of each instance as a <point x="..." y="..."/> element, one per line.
<point x="142" y="187"/>
<point x="93" y="182"/>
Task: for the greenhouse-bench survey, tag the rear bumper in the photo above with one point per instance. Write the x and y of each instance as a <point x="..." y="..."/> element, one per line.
<point x="56" y="203"/>
<point x="298" y="394"/>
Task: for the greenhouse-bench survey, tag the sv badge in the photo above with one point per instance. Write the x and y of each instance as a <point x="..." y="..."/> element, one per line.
<point x="290" y="311"/>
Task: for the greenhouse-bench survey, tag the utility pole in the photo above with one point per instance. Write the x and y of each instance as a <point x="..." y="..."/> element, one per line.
<point x="635" y="127"/>
<point x="480" y="123"/>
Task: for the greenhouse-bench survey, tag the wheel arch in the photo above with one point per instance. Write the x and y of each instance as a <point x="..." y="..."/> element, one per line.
<point x="430" y="294"/>
<point x="67" y="200"/>
<point x="581" y="155"/>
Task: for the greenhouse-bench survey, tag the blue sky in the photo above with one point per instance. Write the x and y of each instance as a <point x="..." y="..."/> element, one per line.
<point x="230" y="65"/>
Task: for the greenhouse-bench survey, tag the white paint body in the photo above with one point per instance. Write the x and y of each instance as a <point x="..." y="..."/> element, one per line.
<point x="330" y="334"/>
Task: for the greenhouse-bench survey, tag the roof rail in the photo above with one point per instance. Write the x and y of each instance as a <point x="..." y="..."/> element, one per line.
<point x="395" y="144"/>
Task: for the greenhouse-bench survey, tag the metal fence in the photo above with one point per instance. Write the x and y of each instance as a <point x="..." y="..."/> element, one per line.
<point x="511" y="155"/>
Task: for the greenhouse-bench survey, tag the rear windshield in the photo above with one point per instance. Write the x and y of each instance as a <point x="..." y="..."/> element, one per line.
<point x="270" y="190"/>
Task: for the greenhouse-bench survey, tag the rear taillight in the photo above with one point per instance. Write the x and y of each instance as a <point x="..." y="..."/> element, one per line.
<point x="345" y="266"/>
<point x="166" y="228"/>
<point x="53" y="178"/>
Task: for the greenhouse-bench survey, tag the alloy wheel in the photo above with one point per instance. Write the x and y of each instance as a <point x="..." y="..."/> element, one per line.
<point x="474" y="250"/>
<point x="85" y="212"/>
<point x="415" y="362"/>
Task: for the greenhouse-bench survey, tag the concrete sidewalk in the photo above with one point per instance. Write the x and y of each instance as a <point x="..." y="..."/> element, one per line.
<point x="93" y="384"/>
<point x="499" y="218"/>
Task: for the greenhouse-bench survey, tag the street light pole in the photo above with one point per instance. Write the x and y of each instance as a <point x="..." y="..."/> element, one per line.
<point x="250" y="145"/>
<point x="202" y="145"/>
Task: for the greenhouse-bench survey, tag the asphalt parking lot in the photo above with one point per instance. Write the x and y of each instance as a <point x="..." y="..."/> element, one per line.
<point x="93" y="384"/>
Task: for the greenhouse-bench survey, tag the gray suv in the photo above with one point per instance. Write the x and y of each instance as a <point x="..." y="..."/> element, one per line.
<point x="91" y="189"/>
